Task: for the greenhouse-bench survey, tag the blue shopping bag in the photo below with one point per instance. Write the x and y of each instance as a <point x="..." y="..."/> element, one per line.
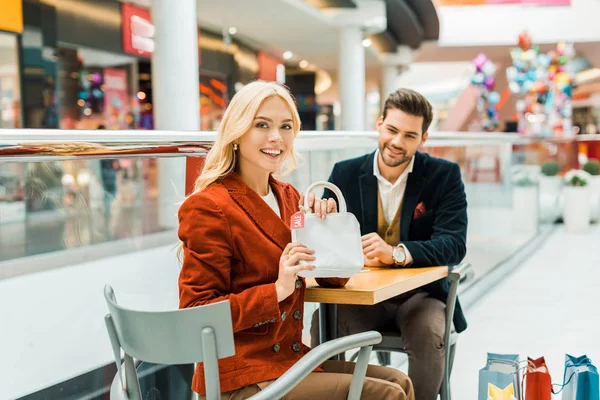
<point x="501" y="371"/>
<point x="580" y="379"/>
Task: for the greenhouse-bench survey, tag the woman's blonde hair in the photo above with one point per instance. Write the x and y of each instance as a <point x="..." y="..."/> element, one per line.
<point x="237" y="120"/>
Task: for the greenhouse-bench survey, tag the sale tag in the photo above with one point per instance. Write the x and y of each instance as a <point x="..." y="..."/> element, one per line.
<point x="297" y="220"/>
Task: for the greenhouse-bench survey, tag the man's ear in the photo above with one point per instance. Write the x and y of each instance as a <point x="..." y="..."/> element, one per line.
<point x="379" y="122"/>
<point x="425" y="136"/>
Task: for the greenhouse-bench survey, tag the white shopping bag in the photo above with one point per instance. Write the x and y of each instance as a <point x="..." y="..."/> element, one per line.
<point x="336" y="241"/>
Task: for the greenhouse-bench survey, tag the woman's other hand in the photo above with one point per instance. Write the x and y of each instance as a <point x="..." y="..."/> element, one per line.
<point x="289" y="266"/>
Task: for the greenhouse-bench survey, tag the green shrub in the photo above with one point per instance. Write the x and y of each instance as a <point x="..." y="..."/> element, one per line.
<point x="577" y="181"/>
<point x="592" y="167"/>
<point x="577" y="177"/>
<point x="550" y="168"/>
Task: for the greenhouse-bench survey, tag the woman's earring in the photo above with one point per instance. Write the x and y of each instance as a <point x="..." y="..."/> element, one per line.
<point x="235" y="147"/>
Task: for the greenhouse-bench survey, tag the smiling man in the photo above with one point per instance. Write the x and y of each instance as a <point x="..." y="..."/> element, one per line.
<point x="412" y="210"/>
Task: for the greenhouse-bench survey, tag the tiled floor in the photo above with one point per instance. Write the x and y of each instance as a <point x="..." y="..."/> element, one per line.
<point x="547" y="307"/>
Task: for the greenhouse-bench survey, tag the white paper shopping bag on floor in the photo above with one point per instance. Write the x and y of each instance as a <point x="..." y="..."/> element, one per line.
<point x="336" y="241"/>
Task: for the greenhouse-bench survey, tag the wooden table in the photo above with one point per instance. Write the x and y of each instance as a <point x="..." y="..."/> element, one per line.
<point x="368" y="287"/>
<point x="374" y="285"/>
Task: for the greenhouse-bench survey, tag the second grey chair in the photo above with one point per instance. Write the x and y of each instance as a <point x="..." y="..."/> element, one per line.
<point x="204" y="334"/>
<point x="392" y="341"/>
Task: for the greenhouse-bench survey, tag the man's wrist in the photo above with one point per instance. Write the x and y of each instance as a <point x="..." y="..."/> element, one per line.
<point x="390" y="257"/>
<point x="397" y="259"/>
<point x="408" y="257"/>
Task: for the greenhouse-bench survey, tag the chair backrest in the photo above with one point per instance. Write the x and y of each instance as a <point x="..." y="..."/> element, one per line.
<point x="172" y="337"/>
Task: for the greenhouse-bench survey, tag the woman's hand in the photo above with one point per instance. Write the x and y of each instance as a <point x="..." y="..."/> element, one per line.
<point x="320" y="207"/>
<point x="289" y="267"/>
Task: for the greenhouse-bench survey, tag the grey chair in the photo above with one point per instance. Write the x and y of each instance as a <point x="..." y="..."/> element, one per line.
<point x="392" y="341"/>
<point x="205" y="334"/>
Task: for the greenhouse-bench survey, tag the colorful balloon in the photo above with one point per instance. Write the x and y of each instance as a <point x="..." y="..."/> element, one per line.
<point x="478" y="79"/>
<point x="489" y="68"/>
<point x="480" y="61"/>
<point x="524" y="40"/>
<point x="494" y="98"/>
<point x="511" y="73"/>
<point x="514" y="87"/>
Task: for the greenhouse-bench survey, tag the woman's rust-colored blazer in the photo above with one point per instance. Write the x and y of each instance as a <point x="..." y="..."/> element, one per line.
<point x="232" y="243"/>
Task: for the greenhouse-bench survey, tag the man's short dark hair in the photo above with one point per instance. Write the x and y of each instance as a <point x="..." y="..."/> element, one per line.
<point x="412" y="103"/>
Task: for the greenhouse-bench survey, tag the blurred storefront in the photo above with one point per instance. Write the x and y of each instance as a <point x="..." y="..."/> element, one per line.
<point x="72" y="54"/>
<point x="12" y="206"/>
<point x="87" y="65"/>
<point x="225" y="66"/>
<point x="11" y="25"/>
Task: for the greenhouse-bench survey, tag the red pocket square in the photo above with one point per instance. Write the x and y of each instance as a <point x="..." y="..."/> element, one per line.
<point x="419" y="210"/>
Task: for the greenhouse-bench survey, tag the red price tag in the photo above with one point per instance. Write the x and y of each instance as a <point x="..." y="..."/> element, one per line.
<point x="298" y="220"/>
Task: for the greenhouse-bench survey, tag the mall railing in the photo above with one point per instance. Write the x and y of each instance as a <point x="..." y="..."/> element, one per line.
<point x="81" y="209"/>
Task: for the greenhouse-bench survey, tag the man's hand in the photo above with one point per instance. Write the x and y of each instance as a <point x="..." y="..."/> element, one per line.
<point x="376" y="250"/>
<point x="373" y="262"/>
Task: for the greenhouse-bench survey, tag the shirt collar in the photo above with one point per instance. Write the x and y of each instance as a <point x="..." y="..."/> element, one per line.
<point x="402" y="177"/>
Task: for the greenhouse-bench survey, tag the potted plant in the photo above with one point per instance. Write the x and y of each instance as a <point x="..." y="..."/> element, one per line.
<point x="592" y="167"/>
<point x="550" y="187"/>
<point x="525" y="202"/>
<point x="577" y="209"/>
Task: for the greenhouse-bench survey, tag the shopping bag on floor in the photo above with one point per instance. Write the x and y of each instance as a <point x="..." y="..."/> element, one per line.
<point x="501" y="370"/>
<point x="537" y="380"/>
<point x="580" y="379"/>
<point x="495" y="393"/>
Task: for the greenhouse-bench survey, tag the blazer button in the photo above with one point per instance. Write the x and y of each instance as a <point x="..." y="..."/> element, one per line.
<point x="283" y="315"/>
<point x="276" y="347"/>
<point x="297" y="315"/>
<point x="296" y="347"/>
<point x="298" y="283"/>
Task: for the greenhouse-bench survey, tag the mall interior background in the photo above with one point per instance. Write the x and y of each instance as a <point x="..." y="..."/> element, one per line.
<point x="87" y="65"/>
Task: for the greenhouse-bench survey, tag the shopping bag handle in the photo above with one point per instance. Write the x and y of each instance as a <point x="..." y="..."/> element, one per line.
<point x="585" y="361"/>
<point x="330" y="186"/>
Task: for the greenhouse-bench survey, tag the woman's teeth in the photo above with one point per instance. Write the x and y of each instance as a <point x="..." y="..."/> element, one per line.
<point x="272" y="152"/>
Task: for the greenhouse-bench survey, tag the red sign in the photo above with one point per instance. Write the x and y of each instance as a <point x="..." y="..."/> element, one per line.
<point x="267" y="66"/>
<point x="297" y="221"/>
<point x="138" y="31"/>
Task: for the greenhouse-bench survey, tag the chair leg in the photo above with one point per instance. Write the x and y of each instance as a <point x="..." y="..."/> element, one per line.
<point x="445" y="392"/>
<point x="452" y="353"/>
<point x="445" y="388"/>
<point x="384" y="358"/>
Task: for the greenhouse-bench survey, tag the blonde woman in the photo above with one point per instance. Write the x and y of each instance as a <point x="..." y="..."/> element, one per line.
<point x="236" y="246"/>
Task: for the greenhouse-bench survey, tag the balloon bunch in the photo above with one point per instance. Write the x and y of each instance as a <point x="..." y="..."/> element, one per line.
<point x="545" y="108"/>
<point x="483" y="78"/>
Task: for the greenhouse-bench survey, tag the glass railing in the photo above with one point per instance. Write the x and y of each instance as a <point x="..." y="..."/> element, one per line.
<point x="82" y="209"/>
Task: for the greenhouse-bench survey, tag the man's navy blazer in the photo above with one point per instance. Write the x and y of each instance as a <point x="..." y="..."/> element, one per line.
<point x="435" y="237"/>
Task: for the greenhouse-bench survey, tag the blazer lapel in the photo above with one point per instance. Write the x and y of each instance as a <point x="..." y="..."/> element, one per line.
<point x="286" y="208"/>
<point x="259" y="211"/>
<point x="368" y="197"/>
<point x="414" y="186"/>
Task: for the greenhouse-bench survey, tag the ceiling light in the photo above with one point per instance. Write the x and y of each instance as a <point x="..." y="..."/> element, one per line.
<point x="288" y="55"/>
<point x="303" y="64"/>
<point x="367" y="42"/>
<point x="232" y="30"/>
